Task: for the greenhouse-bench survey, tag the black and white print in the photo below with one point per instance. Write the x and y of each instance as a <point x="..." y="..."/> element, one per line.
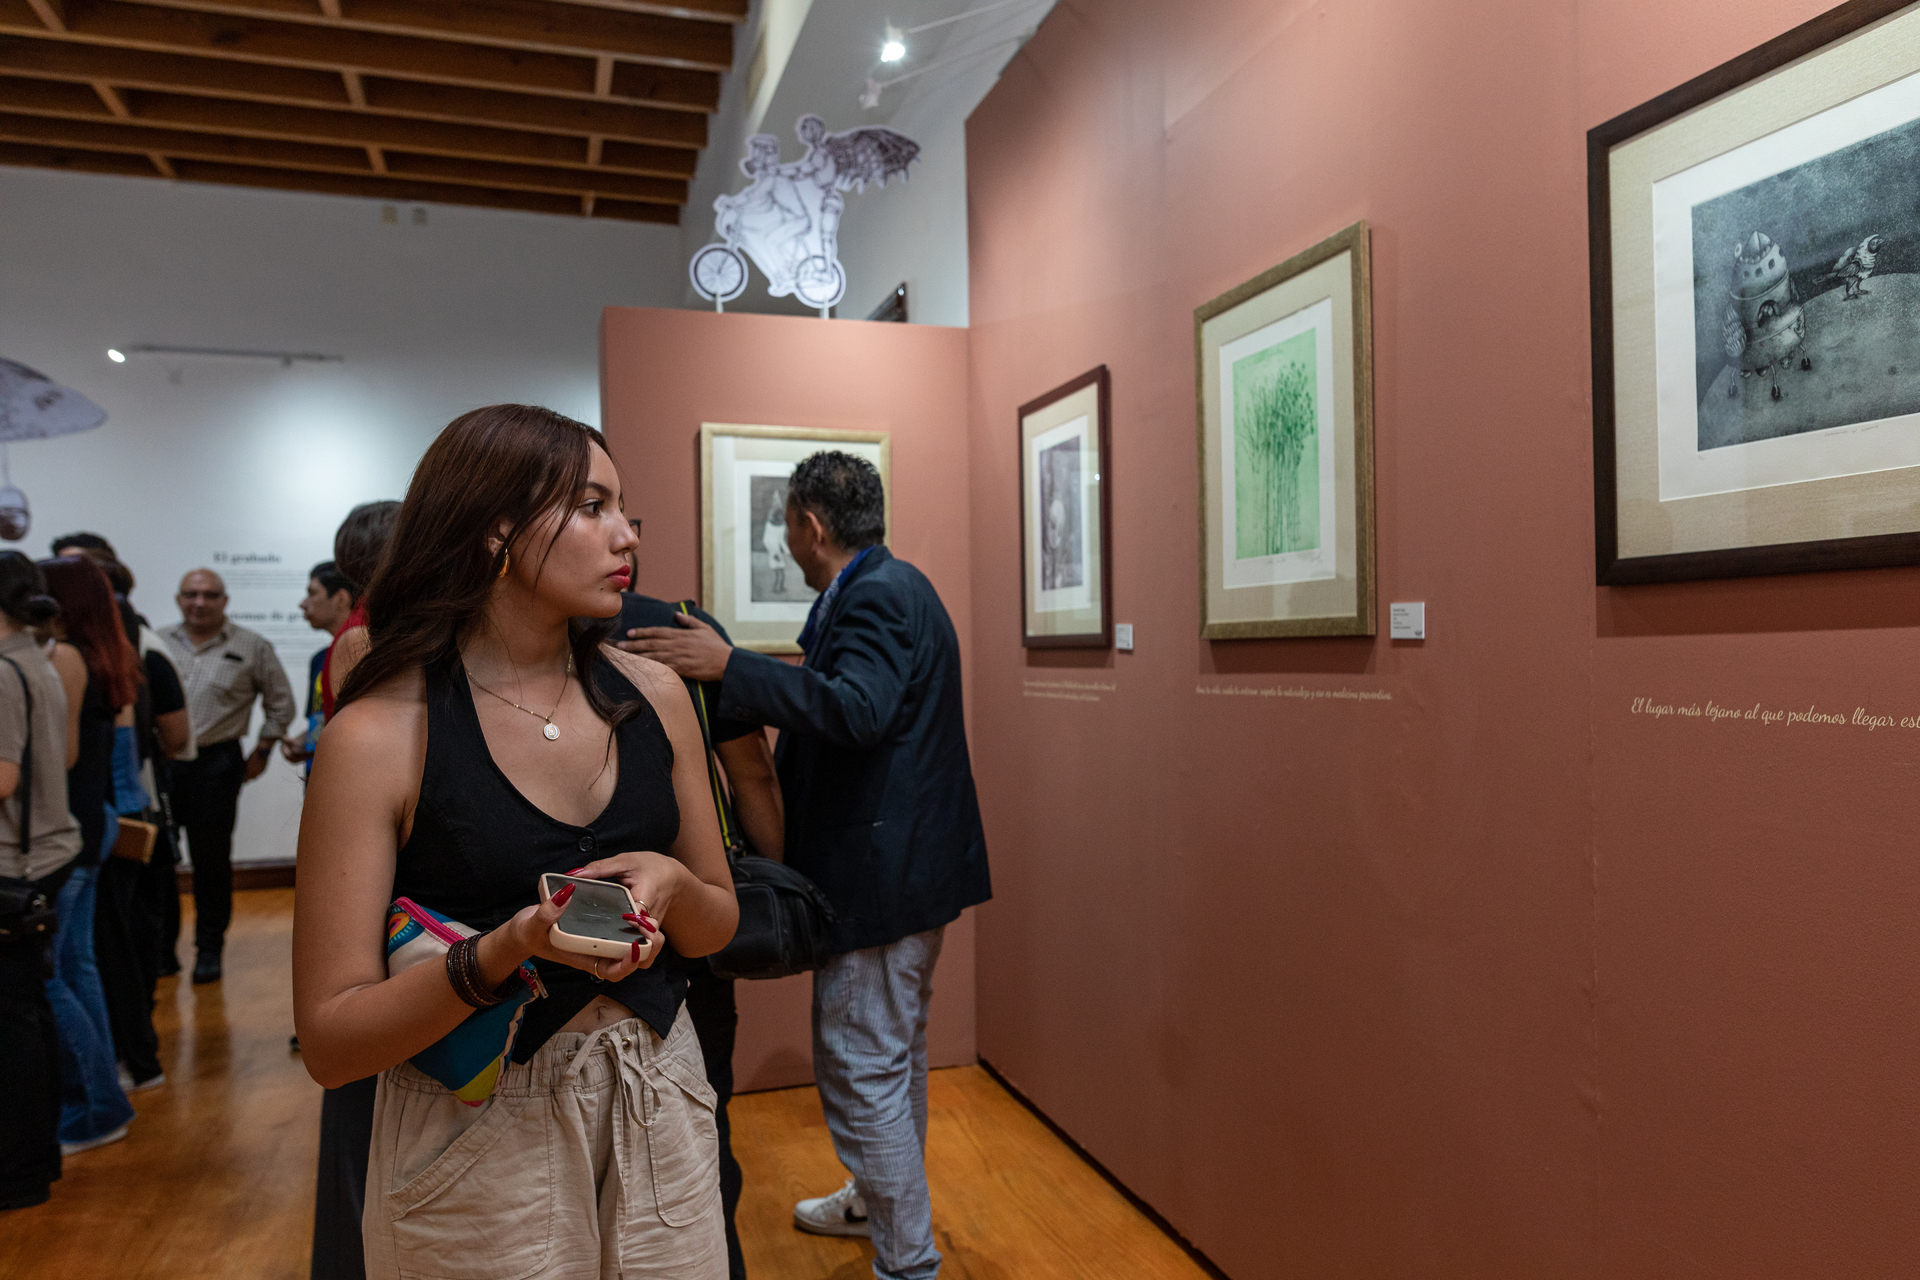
<point x="1806" y="289"/>
<point x="775" y="577"/>
<point x="1063" y="545"/>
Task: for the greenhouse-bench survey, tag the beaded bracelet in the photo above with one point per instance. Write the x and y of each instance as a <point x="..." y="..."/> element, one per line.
<point x="466" y="977"/>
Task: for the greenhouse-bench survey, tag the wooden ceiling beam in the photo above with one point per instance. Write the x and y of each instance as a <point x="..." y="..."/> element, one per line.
<point x="349" y="128"/>
<point x="131" y="166"/>
<point x="733" y="11"/>
<point x="586" y="30"/>
<point x="113" y="136"/>
<point x="628" y="211"/>
<point x="143" y="69"/>
<point x="254" y="82"/>
<point x="177" y="144"/>
<point x="529" y="111"/>
<point x="373" y="186"/>
<point x="217" y="35"/>
<point x="337" y="48"/>
<point x="487" y="173"/>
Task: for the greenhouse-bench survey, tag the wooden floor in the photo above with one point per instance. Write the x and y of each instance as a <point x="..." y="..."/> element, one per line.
<point x="216" y="1179"/>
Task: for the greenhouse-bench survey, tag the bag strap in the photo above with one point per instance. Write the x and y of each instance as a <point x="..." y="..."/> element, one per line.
<point x="25" y="787"/>
<point x="730" y="837"/>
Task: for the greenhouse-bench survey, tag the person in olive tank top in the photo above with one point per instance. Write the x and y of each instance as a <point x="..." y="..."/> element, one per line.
<point x="491" y="736"/>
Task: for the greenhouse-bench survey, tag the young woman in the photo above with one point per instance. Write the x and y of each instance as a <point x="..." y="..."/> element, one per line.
<point x="33" y="712"/>
<point x="489" y="737"/>
<point x="102" y="674"/>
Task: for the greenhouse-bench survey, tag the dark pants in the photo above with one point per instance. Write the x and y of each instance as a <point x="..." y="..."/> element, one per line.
<point x="206" y="798"/>
<point x="128" y="969"/>
<point x="710" y="1005"/>
<point x="158" y="902"/>
<point x="346" y="1134"/>
<point x="30" y="1065"/>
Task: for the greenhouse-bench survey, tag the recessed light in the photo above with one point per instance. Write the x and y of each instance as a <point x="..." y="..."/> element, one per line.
<point x="115" y="356"/>
<point x="893" y="51"/>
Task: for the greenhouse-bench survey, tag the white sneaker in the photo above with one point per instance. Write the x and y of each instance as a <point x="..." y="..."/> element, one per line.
<point x="129" y="1085"/>
<point x="843" y="1213"/>
<point x="75" y="1148"/>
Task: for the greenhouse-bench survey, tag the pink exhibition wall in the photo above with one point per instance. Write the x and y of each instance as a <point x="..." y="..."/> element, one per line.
<point x="1498" y="977"/>
<point x="662" y="374"/>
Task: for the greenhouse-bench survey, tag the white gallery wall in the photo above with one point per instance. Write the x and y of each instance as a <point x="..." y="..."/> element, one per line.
<point x="249" y="466"/>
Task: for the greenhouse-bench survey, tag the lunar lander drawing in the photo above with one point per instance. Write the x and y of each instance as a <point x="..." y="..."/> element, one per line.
<point x="1764" y="321"/>
<point x="787" y="219"/>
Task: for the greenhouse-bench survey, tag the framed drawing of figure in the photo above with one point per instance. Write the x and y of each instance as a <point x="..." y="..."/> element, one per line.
<point x="1755" y="256"/>
<point x="1285" y="378"/>
<point x="748" y="581"/>
<point x="1066" y="575"/>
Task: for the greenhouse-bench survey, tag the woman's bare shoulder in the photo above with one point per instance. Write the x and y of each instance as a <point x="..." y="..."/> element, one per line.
<point x="395" y="704"/>
<point x="649" y="677"/>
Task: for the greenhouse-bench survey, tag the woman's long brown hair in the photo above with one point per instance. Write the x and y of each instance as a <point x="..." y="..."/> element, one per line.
<point x="510" y="462"/>
<point x="91" y="618"/>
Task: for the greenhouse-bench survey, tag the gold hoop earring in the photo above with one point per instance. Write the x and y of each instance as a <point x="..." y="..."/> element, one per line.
<point x="506" y="559"/>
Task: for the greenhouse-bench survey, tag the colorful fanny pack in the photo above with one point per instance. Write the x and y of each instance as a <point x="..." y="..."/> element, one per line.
<point x="468" y="1060"/>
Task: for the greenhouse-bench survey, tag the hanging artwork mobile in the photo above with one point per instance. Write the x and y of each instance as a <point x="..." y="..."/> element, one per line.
<point x="787" y="219"/>
<point x="34" y="407"/>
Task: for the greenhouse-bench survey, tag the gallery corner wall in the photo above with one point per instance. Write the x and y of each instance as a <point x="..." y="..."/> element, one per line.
<point x="665" y="373"/>
<point x="1494" y="977"/>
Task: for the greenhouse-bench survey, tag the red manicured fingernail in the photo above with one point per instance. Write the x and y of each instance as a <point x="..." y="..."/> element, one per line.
<point x="576" y="871"/>
<point x="636" y="953"/>
<point x="560" y="898"/>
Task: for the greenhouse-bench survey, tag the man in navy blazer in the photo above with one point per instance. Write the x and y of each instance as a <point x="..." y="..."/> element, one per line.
<point x="881" y="814"/>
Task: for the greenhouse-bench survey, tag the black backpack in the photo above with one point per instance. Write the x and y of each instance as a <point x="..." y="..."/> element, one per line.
<point x="784" y="918"/>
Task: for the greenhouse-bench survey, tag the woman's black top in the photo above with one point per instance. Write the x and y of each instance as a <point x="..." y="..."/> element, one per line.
<point x="478" y="847"/>
<point x="90" y="781"/>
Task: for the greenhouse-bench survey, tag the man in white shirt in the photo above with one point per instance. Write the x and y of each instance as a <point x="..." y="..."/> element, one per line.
<point x="224" y="667"/>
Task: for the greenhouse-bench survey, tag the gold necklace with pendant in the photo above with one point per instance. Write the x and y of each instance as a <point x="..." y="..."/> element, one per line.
<point x="552" y="731"/>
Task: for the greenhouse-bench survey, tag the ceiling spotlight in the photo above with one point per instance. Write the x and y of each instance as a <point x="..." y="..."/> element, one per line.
<point x="894" y="47"/>
<point x="115" y="356"/>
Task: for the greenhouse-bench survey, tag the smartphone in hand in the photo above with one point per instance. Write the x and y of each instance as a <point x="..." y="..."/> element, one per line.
<point x="594" y="921"/>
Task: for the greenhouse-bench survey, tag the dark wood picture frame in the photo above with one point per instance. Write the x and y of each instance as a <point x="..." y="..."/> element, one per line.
<point x="1612" y="569"/>
<point x="1357" y="242"/>
<point x="1103" y="431"/>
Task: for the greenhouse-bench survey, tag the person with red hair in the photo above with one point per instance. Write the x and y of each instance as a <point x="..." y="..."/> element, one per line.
<point x="102" y="675"/>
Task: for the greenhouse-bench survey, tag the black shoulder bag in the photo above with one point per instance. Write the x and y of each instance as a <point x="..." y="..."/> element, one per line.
<point x="784" y="918"/>
<point x="25" y="911"/>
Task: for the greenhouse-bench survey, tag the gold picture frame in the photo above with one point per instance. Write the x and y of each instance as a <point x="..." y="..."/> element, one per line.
<point x="760" y="601"/>
<point x="1284" y="386"/>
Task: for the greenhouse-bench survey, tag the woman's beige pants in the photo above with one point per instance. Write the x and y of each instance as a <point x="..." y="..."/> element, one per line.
<point x="596" y="1160"/>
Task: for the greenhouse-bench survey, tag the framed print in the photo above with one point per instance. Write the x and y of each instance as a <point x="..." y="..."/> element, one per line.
<point x="1065" y="520"/>
<point x="1285" y="378"/>
<point x="1755" y="256"/>
<point x="748" y="580"/>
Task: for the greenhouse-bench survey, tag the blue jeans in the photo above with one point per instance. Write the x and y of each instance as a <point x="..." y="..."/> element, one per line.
<point x="92" y="1103"/>
<point x="870" y="1065"/>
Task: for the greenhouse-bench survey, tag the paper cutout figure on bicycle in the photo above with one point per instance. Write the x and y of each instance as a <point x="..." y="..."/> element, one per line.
<point x="787" y="219"/>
